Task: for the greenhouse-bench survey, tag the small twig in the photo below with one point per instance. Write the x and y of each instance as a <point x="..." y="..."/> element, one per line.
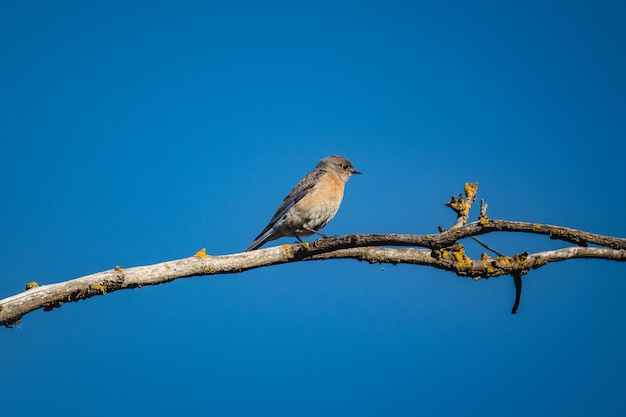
<point x="484" y="245"/>
<point x="483" y="210"/>
<point x="462" y="205"/>
<point x="517" y="280"/>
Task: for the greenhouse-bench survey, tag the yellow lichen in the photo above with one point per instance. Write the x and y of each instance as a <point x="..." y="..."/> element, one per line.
<point x="484" y="257"/>
<point x="119" y="268"/>
<point x="99" y="288"/>
<point x="306" y="245"/>
<point x="31" y="285"/>
<point x="285" y="246"/>
<point x="201" y="254"/>
<point x="520" y="259"/>
<point x="470" y="189"/>
<point x="462" y="260"/>
<point x="167" y="265"/>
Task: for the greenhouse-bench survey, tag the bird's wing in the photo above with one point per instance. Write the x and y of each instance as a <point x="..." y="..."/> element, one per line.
<point x="297" y="193"/>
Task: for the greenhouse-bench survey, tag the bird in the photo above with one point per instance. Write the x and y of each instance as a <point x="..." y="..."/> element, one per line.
<point x="311" y="204"/>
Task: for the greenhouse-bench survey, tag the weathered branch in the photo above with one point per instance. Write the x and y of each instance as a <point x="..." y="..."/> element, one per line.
<point x="451" y="236"/>
<point x="455" y="260"/>
<point x="445" y="254"/>
<point x="441" y="250"/>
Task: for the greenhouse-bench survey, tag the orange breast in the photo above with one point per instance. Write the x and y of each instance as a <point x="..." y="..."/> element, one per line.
<point x="328" y="190"/>
<point x="333" y="186"/>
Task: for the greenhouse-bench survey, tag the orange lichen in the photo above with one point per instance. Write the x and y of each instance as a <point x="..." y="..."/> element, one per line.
<point x="201" y="254"/>
<point x="462" y="260"/>
<point x="470" y="189"/>
<point x="99" y="288"/>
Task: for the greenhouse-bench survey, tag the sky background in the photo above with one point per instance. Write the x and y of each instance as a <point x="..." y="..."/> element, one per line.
<point x="139" y="132"/>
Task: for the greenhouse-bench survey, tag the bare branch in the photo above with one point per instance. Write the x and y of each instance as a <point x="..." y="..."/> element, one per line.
<point x="441" y="251"/>
<point x="455" y="260"/>
<point x="451" y="258"/>
<point x="451" y="236"/>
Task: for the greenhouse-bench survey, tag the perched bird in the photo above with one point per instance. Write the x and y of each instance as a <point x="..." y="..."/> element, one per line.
<point x="311" y="204"/>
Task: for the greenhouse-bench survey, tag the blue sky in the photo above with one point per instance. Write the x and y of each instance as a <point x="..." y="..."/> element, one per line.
<point x="139" y="132"/>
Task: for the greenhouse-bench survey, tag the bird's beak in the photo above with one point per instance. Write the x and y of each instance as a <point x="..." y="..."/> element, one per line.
<point x="356" y="171"/>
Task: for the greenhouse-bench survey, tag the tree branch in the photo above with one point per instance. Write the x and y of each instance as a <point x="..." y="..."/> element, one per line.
<point x="441" y="251"/>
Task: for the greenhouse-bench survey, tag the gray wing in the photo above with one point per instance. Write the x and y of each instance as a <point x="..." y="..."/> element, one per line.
<point x="300" y="190"/>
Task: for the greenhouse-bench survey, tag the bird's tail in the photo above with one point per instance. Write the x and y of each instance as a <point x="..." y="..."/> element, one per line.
<point x="261" y="240"/>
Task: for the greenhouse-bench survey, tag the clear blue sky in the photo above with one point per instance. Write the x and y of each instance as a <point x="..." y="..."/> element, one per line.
<point x="139" y="132"/>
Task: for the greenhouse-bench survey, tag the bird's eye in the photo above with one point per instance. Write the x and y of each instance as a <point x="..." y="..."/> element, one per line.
<point x="345" y="166"/>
